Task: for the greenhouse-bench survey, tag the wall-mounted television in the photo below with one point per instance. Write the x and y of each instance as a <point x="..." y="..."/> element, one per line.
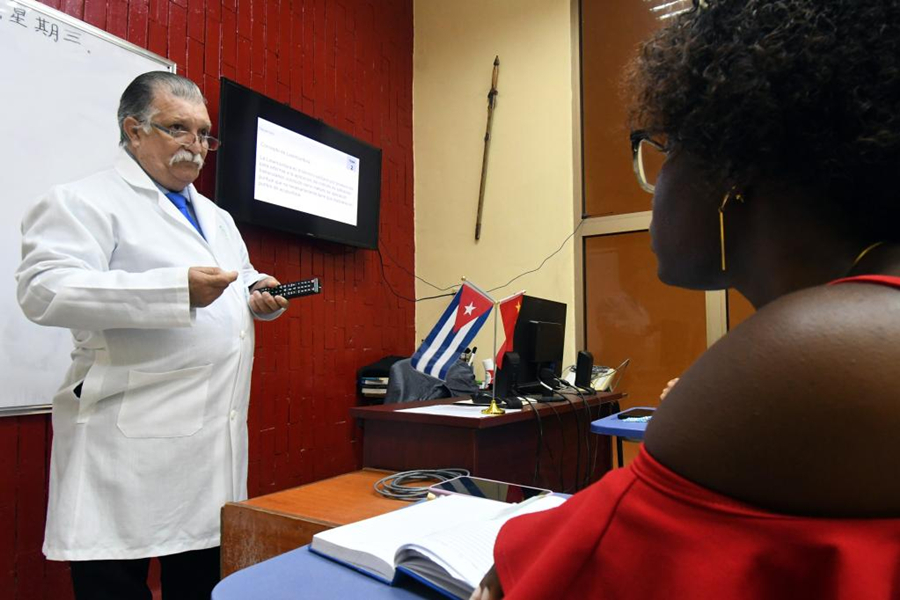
<point x="282" y="169"/>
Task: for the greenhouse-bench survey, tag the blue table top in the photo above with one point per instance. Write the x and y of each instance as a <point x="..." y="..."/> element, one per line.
<point x="301" y="574"/>
<point x="630" y="429"/>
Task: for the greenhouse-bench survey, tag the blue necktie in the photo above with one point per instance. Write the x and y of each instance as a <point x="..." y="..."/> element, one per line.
<point x="180" y="203"/>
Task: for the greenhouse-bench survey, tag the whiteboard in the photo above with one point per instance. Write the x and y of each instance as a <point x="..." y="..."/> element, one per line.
<point x="61" y="82"/>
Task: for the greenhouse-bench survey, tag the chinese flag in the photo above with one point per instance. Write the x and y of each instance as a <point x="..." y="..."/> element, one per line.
<point x="509" y="313"/>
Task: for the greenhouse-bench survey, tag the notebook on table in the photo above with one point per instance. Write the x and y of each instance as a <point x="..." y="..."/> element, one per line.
<point x="447" y="543"/>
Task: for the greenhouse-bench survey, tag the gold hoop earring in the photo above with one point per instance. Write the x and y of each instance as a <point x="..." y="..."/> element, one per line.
<point x="740" y="198"/>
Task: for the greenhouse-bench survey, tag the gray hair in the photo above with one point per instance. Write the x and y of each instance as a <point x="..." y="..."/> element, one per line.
<point x="137" y="99"/>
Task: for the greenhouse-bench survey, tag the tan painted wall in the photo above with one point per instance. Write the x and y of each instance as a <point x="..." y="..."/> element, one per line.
<point x="529" y="207"/>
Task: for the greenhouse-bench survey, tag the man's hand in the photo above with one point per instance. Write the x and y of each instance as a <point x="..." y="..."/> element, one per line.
<point x="264" y="303"/>
<point x="489" y="588"/>
<point x="207" y="283"/>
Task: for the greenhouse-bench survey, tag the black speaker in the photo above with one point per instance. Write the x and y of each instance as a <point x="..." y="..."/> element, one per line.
<point x="508" y="375"/>
<point x="583" y="367"/>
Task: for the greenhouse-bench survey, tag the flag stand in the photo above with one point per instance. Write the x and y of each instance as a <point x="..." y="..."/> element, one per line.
<point x="493" y="409"/>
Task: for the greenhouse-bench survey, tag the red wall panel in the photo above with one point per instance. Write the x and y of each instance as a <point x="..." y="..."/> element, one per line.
<point x="348" y="62"/>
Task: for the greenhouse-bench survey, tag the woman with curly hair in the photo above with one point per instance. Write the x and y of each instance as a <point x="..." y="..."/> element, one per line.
<point x="770" y="471"/>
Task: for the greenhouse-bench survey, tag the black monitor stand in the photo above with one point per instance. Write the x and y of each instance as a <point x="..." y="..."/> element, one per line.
<point x="538" y="393"/>
<point x="508" y="375"/>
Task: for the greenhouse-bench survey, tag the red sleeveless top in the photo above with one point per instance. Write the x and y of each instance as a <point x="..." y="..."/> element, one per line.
<point x="645" y="532"/>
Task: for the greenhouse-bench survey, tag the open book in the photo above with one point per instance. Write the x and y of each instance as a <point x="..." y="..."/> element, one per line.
<point x="448" y="542"/>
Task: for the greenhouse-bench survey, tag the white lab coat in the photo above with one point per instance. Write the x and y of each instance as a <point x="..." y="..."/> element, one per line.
<point x="142" y="463"/>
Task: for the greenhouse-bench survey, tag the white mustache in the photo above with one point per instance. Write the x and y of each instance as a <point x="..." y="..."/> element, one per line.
<point x="185" y="155"/>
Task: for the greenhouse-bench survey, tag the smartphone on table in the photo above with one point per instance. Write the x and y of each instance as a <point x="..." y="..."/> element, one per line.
<point x="636" y="413"/>
<point x="487" y="488"/>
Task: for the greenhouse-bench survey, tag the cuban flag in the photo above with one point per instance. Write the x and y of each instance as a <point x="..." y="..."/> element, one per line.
<point x="453" y="332"/>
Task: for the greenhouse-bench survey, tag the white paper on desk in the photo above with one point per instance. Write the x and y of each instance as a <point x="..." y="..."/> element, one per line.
<point x="471" y="411"/>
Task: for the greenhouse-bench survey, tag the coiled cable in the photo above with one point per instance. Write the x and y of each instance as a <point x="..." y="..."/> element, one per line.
<point x="395" y="486"/>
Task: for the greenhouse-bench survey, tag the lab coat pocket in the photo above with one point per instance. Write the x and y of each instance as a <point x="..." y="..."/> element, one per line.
<point x="67" y="401"/>
<point x="70" y="393"/>
<point x="164" y="405"/>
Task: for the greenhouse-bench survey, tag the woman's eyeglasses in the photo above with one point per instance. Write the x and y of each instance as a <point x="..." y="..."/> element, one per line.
<point x="647" y="157"/>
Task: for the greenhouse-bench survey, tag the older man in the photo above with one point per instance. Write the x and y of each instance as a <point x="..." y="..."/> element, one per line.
<point x="154" y="280"/>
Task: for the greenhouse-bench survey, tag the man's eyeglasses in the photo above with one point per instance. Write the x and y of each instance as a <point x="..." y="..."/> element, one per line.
<point x="186" y="138"/>
<point x="647" y="156"/>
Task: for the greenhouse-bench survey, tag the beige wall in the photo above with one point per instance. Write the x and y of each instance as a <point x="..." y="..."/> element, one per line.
<point x="529" y="206"/>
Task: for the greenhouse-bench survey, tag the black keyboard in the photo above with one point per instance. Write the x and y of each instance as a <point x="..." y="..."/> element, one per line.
<point x="306" y="287"/>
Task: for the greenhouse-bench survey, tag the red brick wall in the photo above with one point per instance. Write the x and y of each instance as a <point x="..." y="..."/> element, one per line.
<point x="348" y="62"/>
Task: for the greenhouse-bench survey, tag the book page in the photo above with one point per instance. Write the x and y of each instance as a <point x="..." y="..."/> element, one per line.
<point x="466" y="552"/>
<point x="371" y="544"/>
<point x="471" y="411"/>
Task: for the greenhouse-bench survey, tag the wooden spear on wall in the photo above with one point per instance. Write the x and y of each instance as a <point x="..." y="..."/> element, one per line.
<point x="492" y="98"/>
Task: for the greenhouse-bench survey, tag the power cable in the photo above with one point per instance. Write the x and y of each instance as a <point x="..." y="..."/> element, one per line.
<point x="408" y="272"/>
<point x="561" y="246"/>
<point x="444" y="289"/>
<point x="589" y="417"/>
<point x="393" y="291"/>
<point x="397" y="486"/>
<point x="537" y="458"/>
<point x="577" y="441"/>
<point x="562" y="450"/>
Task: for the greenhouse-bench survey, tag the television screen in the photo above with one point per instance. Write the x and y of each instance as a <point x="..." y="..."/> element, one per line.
<point x="280" y="168"/>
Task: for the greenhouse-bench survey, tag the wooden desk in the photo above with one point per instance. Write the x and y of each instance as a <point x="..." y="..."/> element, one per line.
<point x="259" y="528"/>
<point x="502" y="447"/>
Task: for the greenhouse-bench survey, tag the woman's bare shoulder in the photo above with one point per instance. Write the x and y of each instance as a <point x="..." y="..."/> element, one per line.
<point x="795" y="410"/>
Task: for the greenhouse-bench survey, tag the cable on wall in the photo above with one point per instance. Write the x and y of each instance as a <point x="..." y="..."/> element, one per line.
<point x="453" y="287"/>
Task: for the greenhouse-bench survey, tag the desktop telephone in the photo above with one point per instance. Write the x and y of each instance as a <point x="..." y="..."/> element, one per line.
<point x="603" y="379"/>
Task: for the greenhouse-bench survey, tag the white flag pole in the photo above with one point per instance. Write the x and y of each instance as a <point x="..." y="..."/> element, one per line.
<point x="478" y="289"/>
<point x="493" y="357"/>
<point x="493" y="409"/>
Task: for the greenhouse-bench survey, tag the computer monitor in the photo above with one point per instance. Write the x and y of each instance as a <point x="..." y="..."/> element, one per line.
<point x="538" y="340"/>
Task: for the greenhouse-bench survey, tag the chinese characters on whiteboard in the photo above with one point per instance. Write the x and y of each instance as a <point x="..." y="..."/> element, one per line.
<point x="41" y="25"/>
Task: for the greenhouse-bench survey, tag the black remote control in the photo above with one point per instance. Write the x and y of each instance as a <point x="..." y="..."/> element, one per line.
<point x="306" y="287"/>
